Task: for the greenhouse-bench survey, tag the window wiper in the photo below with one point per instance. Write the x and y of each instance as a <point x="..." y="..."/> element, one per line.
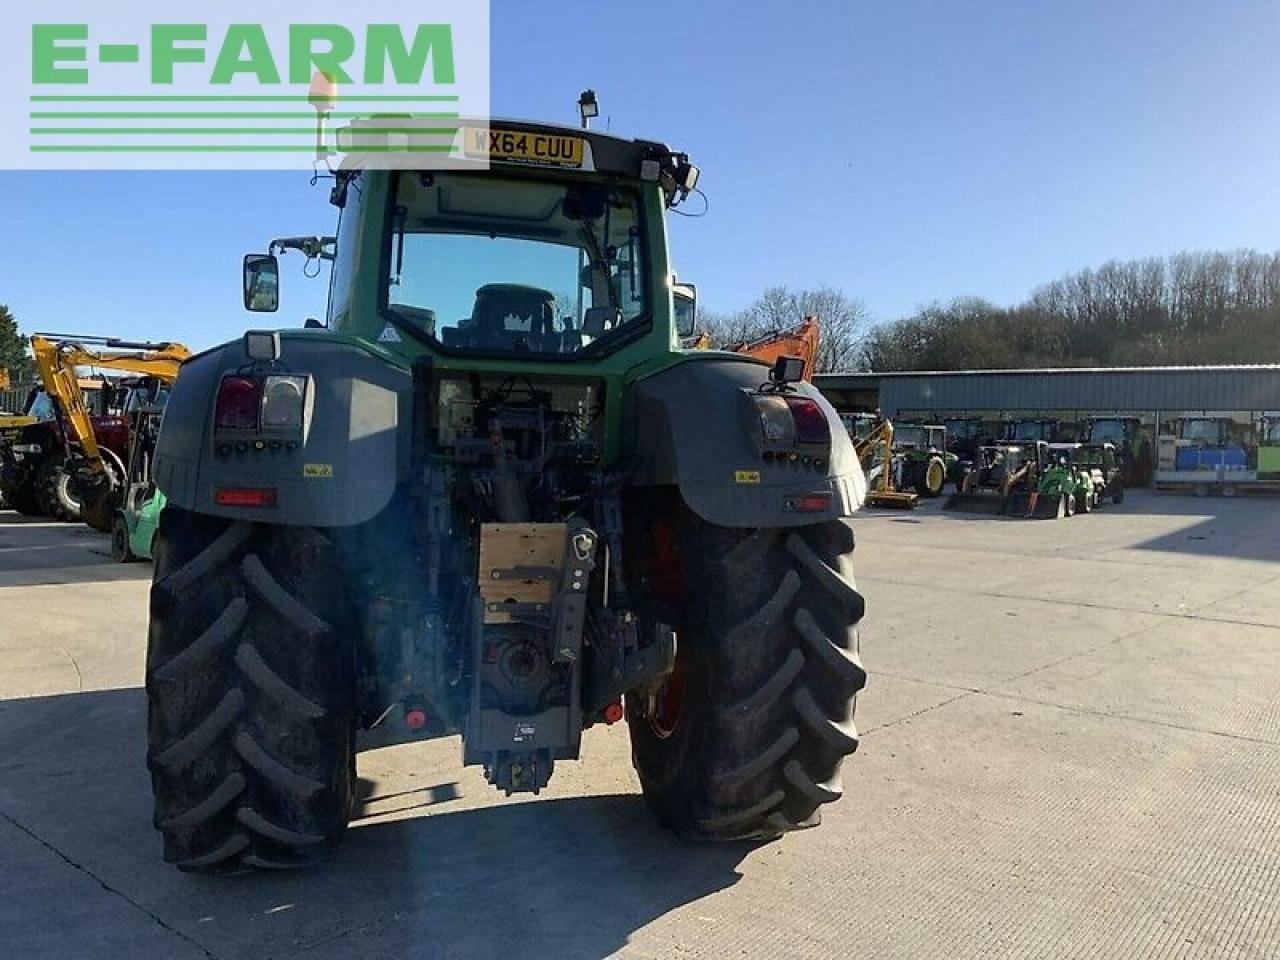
<point x="597" y="255"/>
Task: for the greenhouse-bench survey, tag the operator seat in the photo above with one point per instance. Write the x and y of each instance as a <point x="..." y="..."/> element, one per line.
<point x="509" y="312"/>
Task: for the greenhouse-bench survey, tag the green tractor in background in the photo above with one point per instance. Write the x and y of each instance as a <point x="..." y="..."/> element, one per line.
<point x="1105" y="468"/>
<point x="922" y="459"/>
<point x="1063" y="488"/>
<point x="1133" y="441"/>
<point x="493" y="497"/>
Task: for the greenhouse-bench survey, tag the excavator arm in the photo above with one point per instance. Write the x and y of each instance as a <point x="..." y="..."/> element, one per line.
<point x="799" y="341"/>
<point x="57" y="359"/>
<point x="878" y="446"/>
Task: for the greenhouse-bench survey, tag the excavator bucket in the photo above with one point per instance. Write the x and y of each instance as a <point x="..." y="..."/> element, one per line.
<point x="893" y="500"/>
<point x="988" y="502"/>
<point x="1036" y="506"/>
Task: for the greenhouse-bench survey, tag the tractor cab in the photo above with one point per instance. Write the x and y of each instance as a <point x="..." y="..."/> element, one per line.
<point x="920" y="437"/>
<point x="1031" y="431"/>
<point x="1204" y="431"/>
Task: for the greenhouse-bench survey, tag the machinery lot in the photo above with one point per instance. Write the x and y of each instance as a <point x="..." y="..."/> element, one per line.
<point x="1071" y="749"/>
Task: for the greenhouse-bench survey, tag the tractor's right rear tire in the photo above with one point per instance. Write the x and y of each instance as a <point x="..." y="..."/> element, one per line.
<point x="22" y="497"/>
<point x="250" y="686"/>
<point x="53" y="488"/>
<point x="746" y="737"/>
<point x="121" y="551"/>
<point x="932" y="478"/>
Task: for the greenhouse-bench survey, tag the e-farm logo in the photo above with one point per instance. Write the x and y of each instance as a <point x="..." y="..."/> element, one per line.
<point x="145" y="87"/>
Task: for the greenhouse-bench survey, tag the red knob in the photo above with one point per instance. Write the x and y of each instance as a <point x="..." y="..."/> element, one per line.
<point x="415" y="718"/>
<point x="613" y="712"/>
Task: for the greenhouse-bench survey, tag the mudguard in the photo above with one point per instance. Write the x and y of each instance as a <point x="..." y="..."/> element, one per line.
<point x="342" y="469"/>
<point x="691" y="426"/>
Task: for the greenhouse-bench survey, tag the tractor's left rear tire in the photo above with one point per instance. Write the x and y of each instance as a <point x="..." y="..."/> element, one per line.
<point x="747" y="735"/>
<point x="250" y="689"/>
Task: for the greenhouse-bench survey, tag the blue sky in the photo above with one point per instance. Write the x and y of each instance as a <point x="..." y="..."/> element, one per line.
<point x="903" y="151"/>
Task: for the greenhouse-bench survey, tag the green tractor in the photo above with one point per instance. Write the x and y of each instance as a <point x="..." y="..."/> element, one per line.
<point x="1106" y="469"/>
<point x="1062" y="488"/>
<point x="1133" y="442"/>
<point x="921" y="456"/>
<point x="492" y="497"/>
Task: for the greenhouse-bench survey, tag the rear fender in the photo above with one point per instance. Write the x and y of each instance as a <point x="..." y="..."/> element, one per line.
<point x="690" y="427"/>
<point x="345" y="464"/>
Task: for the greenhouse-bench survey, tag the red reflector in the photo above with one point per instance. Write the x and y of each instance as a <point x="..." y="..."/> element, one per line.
<point x="613" y="712"/>
<point x="237" y="405"/>
<point x="246" y="497"/>
<point x="415" y="718"/>
<point x="811" y="422"/>
<point x="810" y="503"/>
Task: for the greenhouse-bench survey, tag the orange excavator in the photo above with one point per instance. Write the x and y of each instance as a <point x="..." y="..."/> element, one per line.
<point x="798" y="341"/>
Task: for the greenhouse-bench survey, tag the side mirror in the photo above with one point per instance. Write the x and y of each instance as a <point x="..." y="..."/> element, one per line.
<point x="261" y="283"/>
<point x="685" y="298"/>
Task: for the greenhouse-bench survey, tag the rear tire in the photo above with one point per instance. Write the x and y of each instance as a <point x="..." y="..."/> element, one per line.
<point x="932" y="479"/>
<point x="23" y="499"/>
<point x="53" y="490"/>
<point x="249" y="691"/>
<point x="767" y="656"/>
<point x="121" y="552"/>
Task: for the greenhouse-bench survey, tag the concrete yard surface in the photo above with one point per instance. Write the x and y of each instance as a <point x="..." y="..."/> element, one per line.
<point x="1071" y="749"/>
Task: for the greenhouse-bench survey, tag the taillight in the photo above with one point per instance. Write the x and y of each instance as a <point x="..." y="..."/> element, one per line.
<point x="282" y="402"/>
<point x="775" y="420"/>
<point x="237" y="405"/>
<point x="246" y="497"/>
<point x="811" y="423"/>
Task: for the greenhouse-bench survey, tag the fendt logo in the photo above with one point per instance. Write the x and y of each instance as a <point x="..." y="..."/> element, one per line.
<point x="169" y="85"/>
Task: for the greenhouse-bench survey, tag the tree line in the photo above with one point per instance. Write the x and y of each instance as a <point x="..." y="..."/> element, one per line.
<point x="1187" y="309"/>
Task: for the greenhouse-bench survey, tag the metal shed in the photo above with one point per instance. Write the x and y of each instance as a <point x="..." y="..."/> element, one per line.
<point x="1112" y="389"/>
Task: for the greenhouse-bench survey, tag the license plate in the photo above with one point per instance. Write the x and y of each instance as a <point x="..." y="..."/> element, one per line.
<point x="517" y="146"/>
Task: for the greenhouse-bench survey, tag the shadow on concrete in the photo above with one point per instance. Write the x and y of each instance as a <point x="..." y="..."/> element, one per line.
<point x="37" y="550"/>
<point x="570" y="879"/>
<point x="1244" y="528"/>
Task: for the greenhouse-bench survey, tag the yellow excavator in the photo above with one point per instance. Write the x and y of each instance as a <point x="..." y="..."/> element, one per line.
<point x="71" y="465"/>
<point x="875" y="452"/>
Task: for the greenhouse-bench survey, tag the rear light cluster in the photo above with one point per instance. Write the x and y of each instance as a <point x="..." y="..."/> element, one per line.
<point x="790" y="419"/>
<point x="273" y="403"/>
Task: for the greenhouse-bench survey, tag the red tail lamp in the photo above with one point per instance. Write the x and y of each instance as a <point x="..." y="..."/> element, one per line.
<point x="811" y="423"/>
<point x="236" y="407"/>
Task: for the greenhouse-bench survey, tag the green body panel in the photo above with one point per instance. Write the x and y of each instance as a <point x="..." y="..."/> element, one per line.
<point x="1269" y="460"/>
<point x="142" y="524"/>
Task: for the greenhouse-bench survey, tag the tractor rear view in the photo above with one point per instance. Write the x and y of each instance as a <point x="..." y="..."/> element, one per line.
<point x="495" y="499"/>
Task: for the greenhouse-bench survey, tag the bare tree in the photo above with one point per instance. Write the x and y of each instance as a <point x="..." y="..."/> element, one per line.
<point x="843" y="323"/>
